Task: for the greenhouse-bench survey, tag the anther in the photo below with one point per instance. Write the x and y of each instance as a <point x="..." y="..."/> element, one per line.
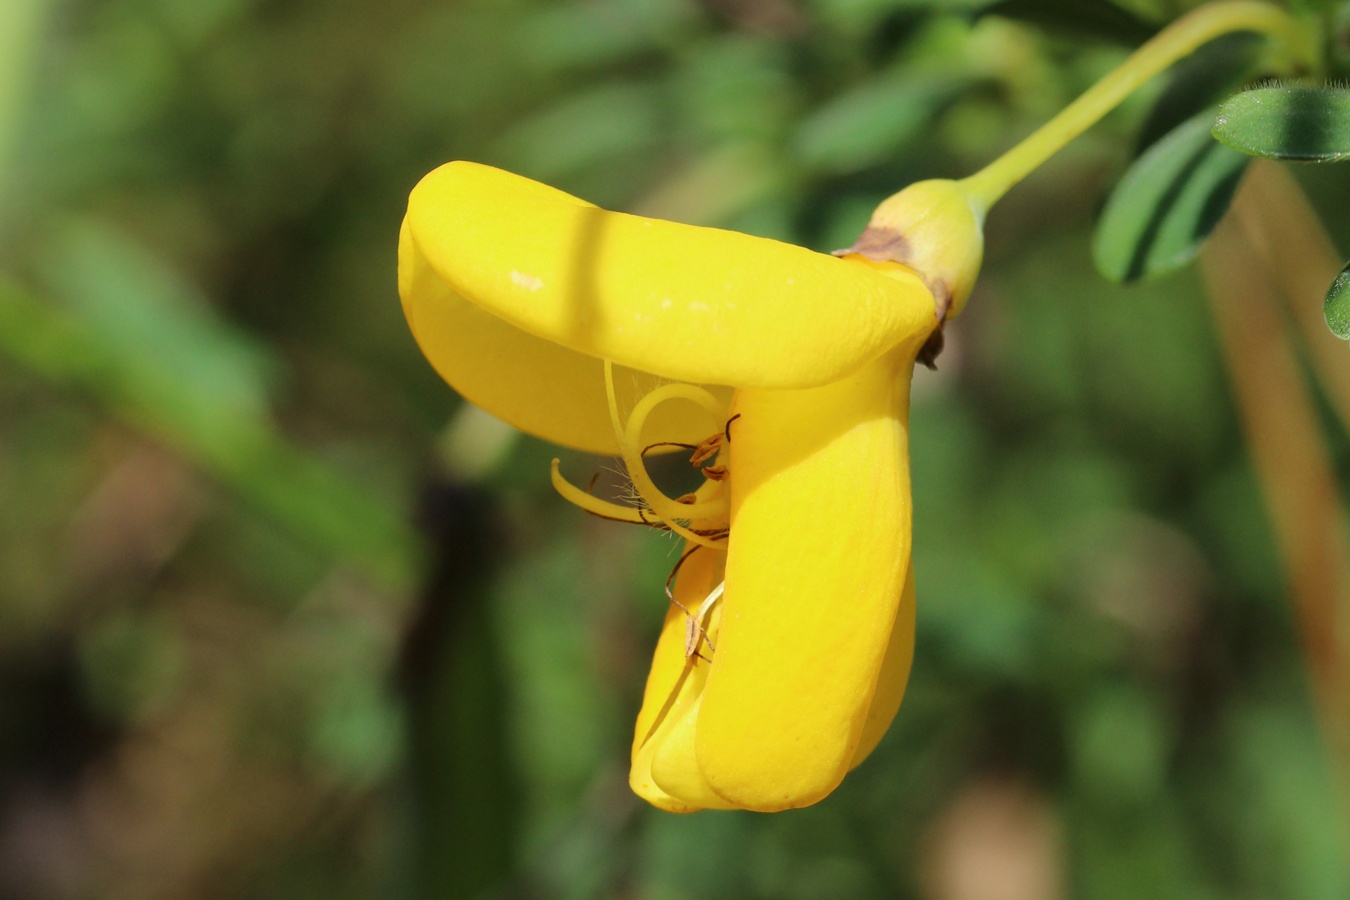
<point x="715" y="473"/>
<point x="660" y="505"/>
<point x="706" y="450"/>
<point x="650" y="447"/>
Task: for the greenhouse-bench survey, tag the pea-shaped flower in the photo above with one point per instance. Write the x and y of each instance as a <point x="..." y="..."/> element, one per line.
<point x="789" y="638"/>
<point x="786" y="374"/>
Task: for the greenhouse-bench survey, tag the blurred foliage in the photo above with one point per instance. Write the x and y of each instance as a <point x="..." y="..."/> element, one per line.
<point x="234" y="663"/>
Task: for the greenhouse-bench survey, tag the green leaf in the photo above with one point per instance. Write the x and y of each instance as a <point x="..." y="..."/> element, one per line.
<point x="150" y="317"/>
<point x="1167" y="203"/>
<point x="580" y="35"/>
<point x="1098" y="19"/>
<point x="126" y="329"/>
<point x="1311" y="124"/>
<point x="1336" y="308"/>
<point x="586" y="128"/>
<point x="868" y="124"/>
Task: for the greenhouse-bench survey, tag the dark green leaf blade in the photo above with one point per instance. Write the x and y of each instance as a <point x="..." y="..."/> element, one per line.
<point x="1200" y="81"/>
<point x="1310" y="124"/>
<point x="1095" y="19"/>
<point x="1167" y="203"/>
<point x="1336" y="307"/>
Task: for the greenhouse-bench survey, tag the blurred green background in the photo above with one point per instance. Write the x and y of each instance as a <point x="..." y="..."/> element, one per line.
<point x="279" y="617"/>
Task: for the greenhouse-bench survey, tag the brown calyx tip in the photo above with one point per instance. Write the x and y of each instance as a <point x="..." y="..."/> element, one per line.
<point x="887" y="245"/>
<point x="879" y="245"/>
<point x="942" y="301"/>
<point x="942" y="298"/>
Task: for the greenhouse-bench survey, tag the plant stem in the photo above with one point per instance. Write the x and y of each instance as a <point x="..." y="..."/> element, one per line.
<point x="1177" y="40"/>
<point x="1301" y="256"/>
<point x="1290" y="457"/>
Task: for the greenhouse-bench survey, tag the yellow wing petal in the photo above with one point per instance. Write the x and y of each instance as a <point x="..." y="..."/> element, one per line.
<point x="816" y="564"/>
<point x="538" y="386"/>
<point x="693" y="304"/>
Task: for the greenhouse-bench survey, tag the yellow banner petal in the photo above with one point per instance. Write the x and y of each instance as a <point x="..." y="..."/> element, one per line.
<point x="692" y="304"/>
<point x="538" y="386"/>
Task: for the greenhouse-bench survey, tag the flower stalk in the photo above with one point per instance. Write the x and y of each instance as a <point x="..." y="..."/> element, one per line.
<point x="1177" y="40"/>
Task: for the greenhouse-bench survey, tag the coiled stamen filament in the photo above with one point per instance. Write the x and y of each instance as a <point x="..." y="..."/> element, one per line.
<point x="630" y="442"/>
<point x="594" y="505"/>
<point x="656" y="509"/>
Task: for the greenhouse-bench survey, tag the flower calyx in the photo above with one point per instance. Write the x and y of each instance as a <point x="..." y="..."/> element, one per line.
<point x="935" y="228"/>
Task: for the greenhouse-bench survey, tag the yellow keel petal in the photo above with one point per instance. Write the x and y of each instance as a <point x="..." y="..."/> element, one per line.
<point x="671" y="699"/>
<point x="692" y="304"/>
<point x="675" y="764"/>
<point x="816" y="566"/>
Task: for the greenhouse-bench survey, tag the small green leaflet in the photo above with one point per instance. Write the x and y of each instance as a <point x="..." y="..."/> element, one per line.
<point x="1167" y="203"/>
<point x="1336" y="308"/>
<point x="1311" y="124"/>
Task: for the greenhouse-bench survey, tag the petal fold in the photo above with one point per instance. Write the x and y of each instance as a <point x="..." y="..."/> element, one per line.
<point x="693" y="304"/>
<point x="895" y="666"/>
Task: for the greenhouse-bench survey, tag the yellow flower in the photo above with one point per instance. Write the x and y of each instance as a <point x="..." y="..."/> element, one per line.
<point x="788" y="642"/>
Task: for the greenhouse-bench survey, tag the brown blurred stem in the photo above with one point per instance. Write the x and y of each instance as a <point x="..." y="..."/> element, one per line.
<point x="1287" y="445"/>
<point x="1296" y="248"/>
